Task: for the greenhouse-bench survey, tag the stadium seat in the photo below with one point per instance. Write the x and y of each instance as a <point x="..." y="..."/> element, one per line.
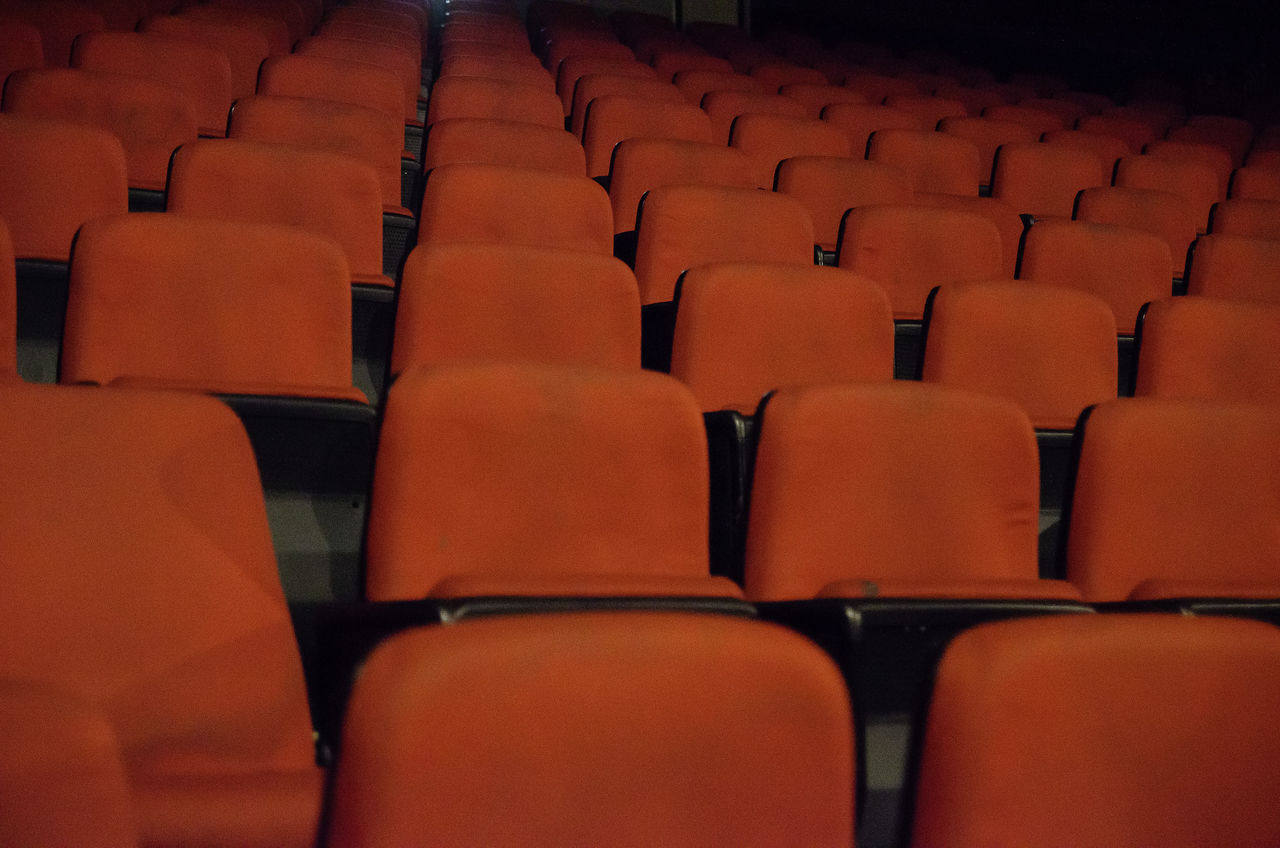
<point x="202" y="72"/>
<point x="829" y="186"/>
<point x="1189" y="179"/>
<point x="150" y="118"/>
<point x="697" y="83"/>
<point x="612" y="118"/>
<point x="768" y="140"/>
<point x="574" y="68"/>
<point x="1050" y="348"/>
<point x="59" y="23"/>
<point x="1042" y="180"/>
<point x="1235" y="267"/>
<point x="1173" y="500"/>
<point x="1245" y="217"/>
<point x="936" y="162"/>
<point x="743" y="329"/>
<point x="268" y="313"/>
<point x="592" y="86"/>
<point x="642" y="164"/>
<point x="468" y="302"/>
<point x="1122" y="266"/>
<point x="1201" y="347"/>
<point x="1104" y="709"/>
<point x="848" y="498"/>
<point x="480" y="97"/>
<point x="244" y="47"/>
<point x="635" y="728"/>
<point x="724" y="107"/>
<point x="195" y="668"/>
<point x="1162" y="213"/>
<point x="490" y="141"/>
<point x="987" y="134"/>
<point x="818" y="96"/>
<point x="469" y="459"/>
<point x="499" y="204"/>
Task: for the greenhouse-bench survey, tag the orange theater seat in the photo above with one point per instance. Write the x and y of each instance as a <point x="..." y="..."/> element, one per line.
<point x="1050" y="348"/>
<point x="1176" y="499"/>
<point x="505" y="205"/>
<point x="744" y="329"/>
<point x="490" y="141"/>
<point x="768" y="140"/>
<point x="1151" y="731"/>
<point x="642" y="164"/>
<point x="900" y="489"/>
<point x="536" y="480"/>
<point x="150" y="118"/>
<point x="8" y="308"/>
<point x="1202" y="347"/>
<point x="613" y="118"/>
<point x="267" y="312"/>
<point x="683" y="226"/>
<point x="1235" y="267"/>
<point x="909" y="249"/>
<point x="604" y="728"/>
<point x="194" y="667"/>
<point x="829" y="186"/>
<point x="474" y="302"/>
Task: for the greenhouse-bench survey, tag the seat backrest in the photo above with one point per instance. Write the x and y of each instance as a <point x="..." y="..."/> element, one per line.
<point x="1043" y="179"/>
<point x="336" y="197"/>
<point x="1235" y="267"/>
<point x="686" y="225"/>
<point x="527" y="73"/>
<point x="642" y="164"/>
<point x="1256" y="181"/>
<point x="1109" y="148"/>
<point x="898" y="483"/>
<point x="59" y="22"/>
<point x="200" y="71"/>
<point x="631" y="728"/>
<point x="987" y="134"/>
<point x="1195" y="181"/>
<point x="1136" y="132"/>
<point x="1007" y="221"/>
<point x="1216" y="157"/>
<point x="274" y="30"/>
<point x="506" y="205"/>
<point x="930" y="109"/>
<point x="150" y="118"/>
<point x="267" y="312"/>
<point x="909" y="249"/>
<point x="480" y="97"/>
<point x="1247" y="217"/>
<point x="244" y="47"/>
<point x="671" y="62"/>
<point x="1039" y="121"/>
<point x="859" y="121"/>
<point x="528" y="471"/>
<point x="495" y="142"/>
<point x="360" y="132"/>
<point x="467" y="302"/>
<point x="391" y="57"/>
<point x="769" y="139"/>
<point x="1050" y="348"/>
<point x="828" y="186"/>
<point x="1172" y="499"/>
<point x="696" y="84"/>
<point x="39" y="159"/>
<point x="877" y="86"/>
<point x="1200" y="347"/>
<point x="371" y="34"/>
<point x="612" y="118"/>
<point x="574" y="68"/>
<point x="62" y="779"/>
<point x="1124" y="267"/>
<point x="196" y="667"/>
<point x="344" y="80"/>
<point x="744" y="329"/>
<point x="724" y="106"/>
<point x="818" y="96"/>
<point x="20" y="45"/>
<point x="1162" y="213"/>
<point x="1234" y="135"/>
<point x="1105" y="709"/>
<point x="936" y="162"/>
<point x="591" y="86"/>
